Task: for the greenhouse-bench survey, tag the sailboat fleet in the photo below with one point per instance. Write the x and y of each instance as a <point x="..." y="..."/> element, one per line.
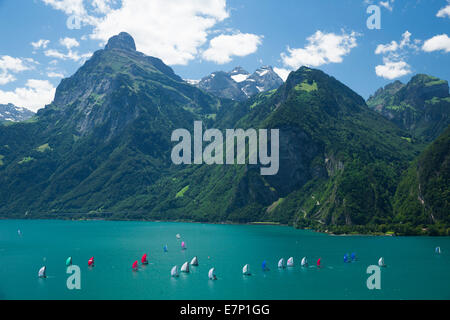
<point x="185" y="268"/>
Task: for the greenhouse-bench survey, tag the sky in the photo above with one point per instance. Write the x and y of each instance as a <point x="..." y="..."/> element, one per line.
<point x="365" y="44"/>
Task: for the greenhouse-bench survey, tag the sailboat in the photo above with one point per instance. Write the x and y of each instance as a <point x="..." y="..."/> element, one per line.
<point x="174" y="271"/>
<point x="381" y="262"/>
<point x="178" y="236"/>
<point x="69" y="261"/>
<point x="194" y="261"/>
<point x="144" y="259"/>
<point x="346" y="258"/>
<point x="211" y="274"/>
<point x="281" y="263"/>
<point x="353" y="256"/>
<point x="185" y="267"/>
<point x="246" y="270"/>
<point x="290" y="262"/>
<point x="438" y="250"/>
<point x="165" y="248"/>
<point x="264" y="266"/>
<point x="304" y="262"/>
<point x="135" y="266"/>
<point x="41" y="272"/>
<point x="319" y="262"/>
<point x="91" y="262"/>
<point x="19" y="232"/>
<point x="183" y="245"/>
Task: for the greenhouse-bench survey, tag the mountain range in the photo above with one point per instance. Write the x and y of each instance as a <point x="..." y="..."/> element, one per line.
<point x="239" y="84"/>
<point x="12" y="113"/>
<point x="102" y="149"/>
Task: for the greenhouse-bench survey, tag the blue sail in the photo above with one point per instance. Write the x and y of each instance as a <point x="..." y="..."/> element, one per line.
<point x="165" y="248"/>
<point x="353" y="256"/>
<point x="346" y="257"/>
<point x="264" y="266"/>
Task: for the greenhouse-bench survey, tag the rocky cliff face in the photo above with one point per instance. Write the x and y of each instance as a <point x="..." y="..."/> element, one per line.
<point x="422" y="106"/>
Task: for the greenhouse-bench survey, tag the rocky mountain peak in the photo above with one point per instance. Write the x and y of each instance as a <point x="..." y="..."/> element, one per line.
<point x="122" y="41"/>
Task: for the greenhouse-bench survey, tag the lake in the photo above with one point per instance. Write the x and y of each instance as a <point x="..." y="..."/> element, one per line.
<point x="414" y="270"/>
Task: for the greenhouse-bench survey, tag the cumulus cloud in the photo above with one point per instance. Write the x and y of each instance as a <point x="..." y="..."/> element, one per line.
<point x="395" y="55"/>
<point x="35" y="95"/>
<point x="437" y="43"/>
<point x="52" y="74"/>
<point x="392" y="69"/>
<point x="69" y="43"/>
<point x="322" y="48"/>
<point x="223" y="47"/>
<point x="388" y="4"/>
<point x="70" y="55"/>
<point x="10" y="65"/>
<point x="282" y="72"/>
<point x="444" y="12"/>
<point x="42" y="43"/>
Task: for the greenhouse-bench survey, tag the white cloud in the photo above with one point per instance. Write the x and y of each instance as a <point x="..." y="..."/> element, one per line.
<point x="322" y="48"/>
<point x="392" y="69"/>
<point x="9" y="65"/>
<point x="436" y="43"/>
<point x="35" y="95"/>
<point x="393" y="46"/>
<point x="283" y="73"/>
<point x="69" y="43"/>
<point x="53" y="74"/>
<point x="171" y="30"/>
<point x="444" y="12"/>
<point x="222" y="48"/>
<point x="70" y="55"/>
<point x="42" y="43"/>
<point x="384" y="48"/>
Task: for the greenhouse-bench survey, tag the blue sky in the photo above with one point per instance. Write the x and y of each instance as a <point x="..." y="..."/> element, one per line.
<point x="45" y="40"/>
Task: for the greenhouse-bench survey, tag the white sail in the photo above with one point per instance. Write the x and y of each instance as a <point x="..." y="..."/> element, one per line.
<point x="381" y="262"/>
<point x="246" y="270"/>
<point x="438" y="250"/>
<point x="42" y="272"/>
<point x="304" y="262"/>
<point x="194" y="261"/>
<point x="178" y="236"/>
<point x="281" y="263"/>
<point x="290" y="262"/>
<point x="174" y="271"/>
<point x="185" y="267"/>
<point x="211" y="274"/>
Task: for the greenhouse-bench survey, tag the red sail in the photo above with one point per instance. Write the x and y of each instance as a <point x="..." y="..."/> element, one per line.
<point x="318" y="262"/>
<point x="144" y="258"/>
<point x="135" y="265"/>
<point x="91" y="261"/>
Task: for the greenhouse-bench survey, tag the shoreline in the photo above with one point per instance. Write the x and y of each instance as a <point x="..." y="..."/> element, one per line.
<point x="255" y="223"/>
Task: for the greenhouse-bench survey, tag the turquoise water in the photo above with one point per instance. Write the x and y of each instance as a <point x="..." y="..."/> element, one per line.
<point x="414" y="271"/>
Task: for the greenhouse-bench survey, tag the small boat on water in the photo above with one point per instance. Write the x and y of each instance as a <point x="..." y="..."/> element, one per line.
<point x="135" y="266"/>
<point x="281" y="263"/>
<point x="290" y="262"/>
<point x="165" y="248"/>
<point x="381" y="262"/>
<point x="42" y="272"/>
<point x="304" y="262"/>
<point x="246" y="270"/>
<point x="438" y="250"/>
<point x="19" y="232"/>
<point x="212" y="274"/>
<point x="185" y="267"/>
<point x="183" y="245"/>
<point x="174" y="272"/>
<point x="194" y="261"/>
<point x="353" y="256"/>
<point x="319" y="263"/>
<point x="91" y="262"/>
<point x="178" y="236"/>
<point x="69" y="261"/>
<point x="346" y="259"/>
<point x="144" y="259"/>
<point x="264" y="266"/>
